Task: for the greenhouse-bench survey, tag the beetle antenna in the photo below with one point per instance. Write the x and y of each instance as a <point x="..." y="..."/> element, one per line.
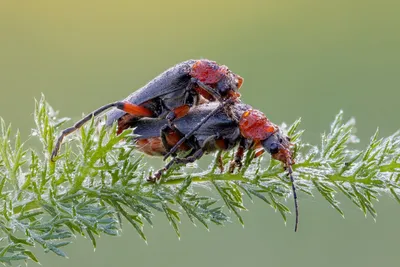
<point x="124" y="106"/>
<point x="296" y="205"/>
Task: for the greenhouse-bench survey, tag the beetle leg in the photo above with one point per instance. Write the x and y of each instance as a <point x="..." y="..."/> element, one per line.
<point x="133" y="109"/>
<point x="259" y="149"/>
<point x="189" y="134"/>
<point x="259" y="153"/>
<point x="221" y="144"/>
<point x="181" y="111"/>
<point x="189" y="158"/>
<point x="210" y="141"/>
<point x="196" y="155"/>
<point x="125" y="106"/>
<point x="237" y="162"/>
<point x="220" y="162"/>
<point x="170" y="136"/>
<point x="176" y="113"/>
<point x="163" y="133"/>
<point x="207" y="88"/>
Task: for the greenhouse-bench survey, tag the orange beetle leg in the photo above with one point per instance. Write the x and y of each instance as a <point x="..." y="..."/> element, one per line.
<point x="259" y="153"/>
<point x="136" y="110"/>
<point x="181" y="111"/>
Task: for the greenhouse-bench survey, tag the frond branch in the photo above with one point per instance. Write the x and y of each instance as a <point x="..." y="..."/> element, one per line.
<point x="99" y="182"/>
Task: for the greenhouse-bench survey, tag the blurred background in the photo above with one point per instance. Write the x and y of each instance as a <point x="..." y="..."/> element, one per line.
<point x="299" y="58"/>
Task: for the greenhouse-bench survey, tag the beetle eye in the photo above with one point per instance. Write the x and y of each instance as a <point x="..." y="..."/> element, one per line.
<point x="273" y="148"/>
<point x="223" y="86"/>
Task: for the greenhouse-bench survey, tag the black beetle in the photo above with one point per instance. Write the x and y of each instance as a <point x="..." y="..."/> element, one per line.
<point x="246" y="127"/>
<point x="170" y="95"/>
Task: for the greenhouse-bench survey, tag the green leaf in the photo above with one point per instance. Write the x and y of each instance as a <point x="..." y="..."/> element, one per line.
<point x="99" y="179"/>
<point x="31" y="255"/>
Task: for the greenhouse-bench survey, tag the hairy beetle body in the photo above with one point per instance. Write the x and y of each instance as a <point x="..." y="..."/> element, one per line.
<point x="170" y="95"/>
<point x="246" y="128"/>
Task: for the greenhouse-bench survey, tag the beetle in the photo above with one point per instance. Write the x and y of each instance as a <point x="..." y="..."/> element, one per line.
<point x="246" y="128"/>
<point x="170" y="95"/>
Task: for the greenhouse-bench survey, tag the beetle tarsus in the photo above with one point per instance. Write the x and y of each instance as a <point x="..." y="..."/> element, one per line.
<point x="237" y="162"/>
<point x="220" y="163"/>
<point x="192" y="157"/>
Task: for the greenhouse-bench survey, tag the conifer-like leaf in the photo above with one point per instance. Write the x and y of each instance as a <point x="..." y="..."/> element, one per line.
<point x="98" y="183"/>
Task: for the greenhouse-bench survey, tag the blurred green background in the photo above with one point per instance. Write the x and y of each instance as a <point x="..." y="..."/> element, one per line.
<point x="303" y="58"/>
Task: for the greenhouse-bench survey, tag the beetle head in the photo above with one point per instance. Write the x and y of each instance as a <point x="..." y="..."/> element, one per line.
<point x="254" y="125"/>
<point x="229" y="85"/>
<point x="219" y="77"/>
<point x="280" y="148"/>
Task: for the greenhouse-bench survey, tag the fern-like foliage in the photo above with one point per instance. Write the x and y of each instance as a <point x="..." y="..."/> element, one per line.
<point x="94" y="187"/>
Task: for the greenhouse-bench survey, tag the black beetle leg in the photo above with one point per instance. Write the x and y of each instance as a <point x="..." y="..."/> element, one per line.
<point x="196" y="155"/>
<point x="220" y="162"/>
<point x="189" y="134"/>
<point x="157" y="176"/>
<point x="163" y="134"/>
<point x="170" y="117"/>
<point x="209" y="90"/>
<point x="238" y="161"/>
<point x="210" y="141"/>
<point x="125" y="106"/>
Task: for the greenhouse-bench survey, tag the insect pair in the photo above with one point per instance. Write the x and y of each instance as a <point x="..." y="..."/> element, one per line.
<point x="195" y="107"/>
<point x="245" y="128"/>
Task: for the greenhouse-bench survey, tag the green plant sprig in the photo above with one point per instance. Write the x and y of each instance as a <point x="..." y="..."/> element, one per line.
<point x="100" y="183"/>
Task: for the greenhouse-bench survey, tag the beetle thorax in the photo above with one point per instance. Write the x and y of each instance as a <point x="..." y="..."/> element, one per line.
<point x="255" y="125"/>
<point x="208" y="72"/>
